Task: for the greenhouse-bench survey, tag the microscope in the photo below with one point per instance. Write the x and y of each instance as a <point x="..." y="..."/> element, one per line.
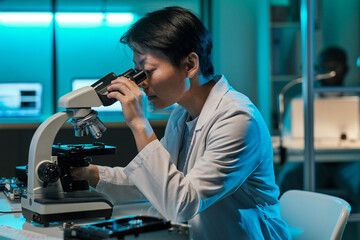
<point x="52" y="194"/>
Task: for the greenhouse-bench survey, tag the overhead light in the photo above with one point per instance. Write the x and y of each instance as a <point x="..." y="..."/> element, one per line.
<point x="79" y="19"/>
<point x="93" y="19"/>
<point x="26" y="18"/>
<point x="66" y="19"/>
<point x="116" y="19"/>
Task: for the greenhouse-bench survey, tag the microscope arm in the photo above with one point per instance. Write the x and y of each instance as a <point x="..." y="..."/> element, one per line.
<point x="41" y="151"/>
<point x="78" y="104"/>
<point x="46" y="201"/>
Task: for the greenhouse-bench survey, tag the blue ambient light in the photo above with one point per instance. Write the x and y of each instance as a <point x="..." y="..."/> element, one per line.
<point x="93" y="19"/>
<point x="119" y="19"/>
<point x="68" y="19"/>
<point x="79" y="19"/>
<point x="25" y="18"/>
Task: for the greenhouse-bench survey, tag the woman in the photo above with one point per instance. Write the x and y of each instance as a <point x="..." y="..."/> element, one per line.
<point x="213" y="168"/>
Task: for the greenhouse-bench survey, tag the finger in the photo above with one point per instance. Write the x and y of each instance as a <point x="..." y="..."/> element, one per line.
<point x="125" y="82"/>
<point x="118" y="79"/>
<point x="119" y="91"/>
<point x="125" y="87"/>
<point x="121" y="78"/>
<point x="77" y="173"/>
<point x="117" y="95"/>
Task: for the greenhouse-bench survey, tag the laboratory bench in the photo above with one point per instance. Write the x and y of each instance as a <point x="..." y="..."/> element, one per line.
<point x="55" y="230"/>
<point x="15" y="140"/>
<point x="326" y="150"/>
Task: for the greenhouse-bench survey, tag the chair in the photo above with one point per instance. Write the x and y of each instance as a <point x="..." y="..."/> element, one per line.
<point x="311" y="215"/>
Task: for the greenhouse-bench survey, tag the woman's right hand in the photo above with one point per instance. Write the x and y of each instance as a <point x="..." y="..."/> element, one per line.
<point x="90" y="173"/>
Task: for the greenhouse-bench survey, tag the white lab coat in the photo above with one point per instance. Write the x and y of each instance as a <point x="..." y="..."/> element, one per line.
<point x="227" y="189"/>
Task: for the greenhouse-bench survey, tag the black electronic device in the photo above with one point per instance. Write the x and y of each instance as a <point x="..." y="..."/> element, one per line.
<point x="139" y="227"/>
<point x="102" y="85"/>
<point x="74" y="155"/>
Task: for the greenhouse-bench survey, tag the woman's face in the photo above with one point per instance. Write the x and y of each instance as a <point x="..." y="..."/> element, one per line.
<point x="165" y="84"/>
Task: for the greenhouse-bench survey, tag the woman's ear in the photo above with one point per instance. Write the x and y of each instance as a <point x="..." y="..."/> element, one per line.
<point x="192" y="64"/>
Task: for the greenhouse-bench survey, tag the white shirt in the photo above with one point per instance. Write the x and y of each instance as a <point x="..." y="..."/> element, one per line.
<point x="227" y="187"/>
<point x="187" y="137"/>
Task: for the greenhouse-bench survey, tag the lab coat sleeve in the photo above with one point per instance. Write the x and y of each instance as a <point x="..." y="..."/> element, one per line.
<point x="229" y="158"/>
<point x="114" y="183"/>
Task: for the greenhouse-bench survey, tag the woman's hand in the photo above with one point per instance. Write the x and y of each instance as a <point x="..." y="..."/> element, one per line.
<point x="90" y="173"/>
<point x="131" y="98"/>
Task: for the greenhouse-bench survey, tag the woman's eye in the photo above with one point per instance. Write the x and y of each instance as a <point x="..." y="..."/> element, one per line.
<point x="148" y="72"/>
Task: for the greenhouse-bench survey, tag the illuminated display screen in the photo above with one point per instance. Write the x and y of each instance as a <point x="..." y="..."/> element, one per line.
<point x="20" y="99"/>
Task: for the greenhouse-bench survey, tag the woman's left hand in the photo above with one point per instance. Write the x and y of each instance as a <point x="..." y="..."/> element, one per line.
<point x="131" y="98"/>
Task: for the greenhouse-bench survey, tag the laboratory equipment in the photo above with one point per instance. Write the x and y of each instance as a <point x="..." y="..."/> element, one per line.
<point x="48" y="199"/>
<point x="131" y="227"/>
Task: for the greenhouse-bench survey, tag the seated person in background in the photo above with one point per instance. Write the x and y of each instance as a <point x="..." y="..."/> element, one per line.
<point x="214" y="166"/>
<point x="339" y="175"/>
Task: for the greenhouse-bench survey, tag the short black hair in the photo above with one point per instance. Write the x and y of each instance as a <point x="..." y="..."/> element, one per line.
<point x="176" y="32"/>
<point x="333" y="53"/>
<point x="333" y="58"/>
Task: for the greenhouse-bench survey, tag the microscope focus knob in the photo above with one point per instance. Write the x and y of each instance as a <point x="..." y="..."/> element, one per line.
<point x="48" y="172"/>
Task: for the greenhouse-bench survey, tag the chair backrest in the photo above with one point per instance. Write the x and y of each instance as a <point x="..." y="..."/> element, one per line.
<point x="312" y="215"/>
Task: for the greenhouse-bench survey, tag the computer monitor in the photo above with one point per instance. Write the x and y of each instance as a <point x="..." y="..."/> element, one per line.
<point x="79" y="83"/>
<point x="334" y="118"/>
<point x="20" y="99"/>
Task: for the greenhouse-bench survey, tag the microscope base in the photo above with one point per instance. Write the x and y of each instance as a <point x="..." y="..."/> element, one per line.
<point x="45" y="211"/>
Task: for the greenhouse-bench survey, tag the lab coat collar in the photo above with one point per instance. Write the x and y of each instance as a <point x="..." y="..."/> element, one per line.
<point x="213" y="100"/>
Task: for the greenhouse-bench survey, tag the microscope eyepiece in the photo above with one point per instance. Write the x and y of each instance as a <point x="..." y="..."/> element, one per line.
<point x="102" y="85"/>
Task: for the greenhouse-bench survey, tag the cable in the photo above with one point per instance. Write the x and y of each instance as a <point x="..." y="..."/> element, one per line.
<point x="10" y="212"/>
